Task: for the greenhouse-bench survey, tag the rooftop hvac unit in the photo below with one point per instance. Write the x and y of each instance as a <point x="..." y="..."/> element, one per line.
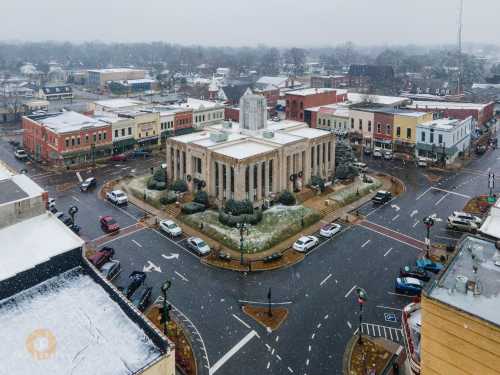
<point x="461" y="284"/>
<point x="268" y="134"/>
<point x="218" y="136"/>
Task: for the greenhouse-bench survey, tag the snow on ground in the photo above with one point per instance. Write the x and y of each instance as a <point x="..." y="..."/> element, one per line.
<point x="93" y="335"/>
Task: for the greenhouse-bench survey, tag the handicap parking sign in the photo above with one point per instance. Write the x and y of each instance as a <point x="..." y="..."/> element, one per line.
<point x="390" y="317"/>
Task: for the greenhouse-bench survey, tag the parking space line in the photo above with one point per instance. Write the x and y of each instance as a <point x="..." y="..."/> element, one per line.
<point x="265" y="303"/>
<point x="395" y="217"/>
<point x="387" y="307"/>
<point x="350" y="291"/>
<point x="235" y="349"/>
<point x="441" y="199"/>
<point x="241" y="321"/>
<point x="451" y="192"/>
<point x="137" y="243"/>
<point x="421" y="195"/>
<point x="415" y="224"/>
<point x="366" y="243"/>
<point x="75" y="198"/>
<point x="387" y="252"/>
<point x="175" y="243"/>
<point x="325" y="280"/>
<point x="181" y="276"/>
<point x="400" y="295"/>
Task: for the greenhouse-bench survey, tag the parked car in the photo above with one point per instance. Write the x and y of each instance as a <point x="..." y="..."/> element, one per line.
<point x="273" y="257"/>
<point x="467" y="217"/>
<point x="361" y="167"/>
<point x="305" y="243"/>
<point x="429" y="265"/>
<point x="462" y="225"/>
<point x="20" y="154"/>
<point x="119" y="157"/>
<point x="111" y="269"/>
<point x="329" y="230"/>
<point x="108" y="224"/>
<point x="170" y="228"/>
<point x="388" y="155"/>
<point x="421" y="163"/>
<point x="117" y="197"/>
<point x="198" y="245"/>
<point x="142" y="298"/>
<point x="377" y="153"/>
<point x="141" y="153"/>
<point x="416" y="273"/>
<point x="137" y="278"/>
<point x="481" y="149"/>
<point x="367" y="150"/>
<point x="88" y="184"/>
<point x="102" y="256"/>
<point x="408" y="285"/>
<point x="382" y="197"/>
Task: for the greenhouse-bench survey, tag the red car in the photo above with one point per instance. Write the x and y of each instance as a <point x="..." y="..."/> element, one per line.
<point x="108" y="224"/>
<point x="102" y="256"/>
<point x="119" y="157"/>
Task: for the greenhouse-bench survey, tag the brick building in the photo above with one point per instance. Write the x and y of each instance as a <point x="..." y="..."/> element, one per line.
<point x="382" y="131"/>
<point x="481" y="112"/>
<point x="332" y="81"/>
<point x="297" y="101"/>
<point x="66" y="138"/>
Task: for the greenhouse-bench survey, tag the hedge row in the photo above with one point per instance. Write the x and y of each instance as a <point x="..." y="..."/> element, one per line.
<point x="192" y="208"/>
<point x="233" y="220"/>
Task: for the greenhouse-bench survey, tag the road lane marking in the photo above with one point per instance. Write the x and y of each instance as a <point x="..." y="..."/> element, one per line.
<point x="307" y="362"/>
<point x="183" y="278"/>
<point x="401" y="295"/>
<point x="350" y="291"/>
<point x="79" y="177"/>
<point x="452" y="192"/>
<point x="325" y="280"/>
<point x="289" y="369"/>
<point x="387" y="252"/>
<point x="241" y="321"/>
<point x="310" y="348"/>
<point x="421" y="195"/>
<point x="395" y="217"/>
<point x="75" y="198"/>
<point x="366" y="243"/>
<point x="349" y="324"/>
<point x="235" y="349"/>
<point x="441" y="199"/>
<point x="137" y="243"/>
<point x="326" y="317"/>
<point x="278" y="357"/>
<point x="313" y="336"/>
<point x="415" y="224"/>
<point x="265" y="303"/>
<point x="318" y="326"/>
<point x="387" y="307"/>
<point x="268" y="364"/>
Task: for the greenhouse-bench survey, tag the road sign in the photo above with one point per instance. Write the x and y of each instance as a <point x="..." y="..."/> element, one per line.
<point x="390" y="317"/>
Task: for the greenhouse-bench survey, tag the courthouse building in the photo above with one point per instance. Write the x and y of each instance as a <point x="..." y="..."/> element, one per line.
<point x="253" y="160"/>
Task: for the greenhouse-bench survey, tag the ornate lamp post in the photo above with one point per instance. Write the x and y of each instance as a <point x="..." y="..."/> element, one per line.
<point x="242" y="227"/>
<point x="165" y="311"/>
<point x="362" y="298"/>
<point x="429" y="223"/>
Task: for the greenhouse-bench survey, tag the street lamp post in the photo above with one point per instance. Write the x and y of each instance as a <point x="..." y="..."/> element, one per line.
<point x="429" y="223"/>
<point x="362" y="298"/>
<point x="165" y="311"/>
<point x="242" y="227"/>
<point x="269" y="311"/>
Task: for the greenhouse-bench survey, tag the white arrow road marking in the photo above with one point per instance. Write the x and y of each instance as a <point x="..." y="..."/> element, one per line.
<point x="396" y="207"/>
<point x="151" y="267"/>
<point x="79" y="177"/>
<point x="413" y="213"/>
<point x="171" y="256"/>
<point x="181" y="276"/>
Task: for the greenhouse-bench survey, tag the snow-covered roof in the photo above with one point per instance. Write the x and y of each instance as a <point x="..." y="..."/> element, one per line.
<point x="116" y="70"/>
<point x="244" y="149"/>
<point x="120" y="103"/>
<point x="279" y="81"/>
<point x="355" y="97"/>
<point x="491" y="225"/>
<point x="198" y="104"/>
<point x="445" y="124"/>
<point x="307" y="132"/>
<point x="69" y="121"/>
<point x="311" y="91"/>
<point x="5" y="172"/>
<point x="449" y="288"/>
<point x="48" y="236"/>
<point x="90" y="332"/>
<point x="447" y="105"/>
<point x="137" y="81"/>
<point x="208" y="142"/>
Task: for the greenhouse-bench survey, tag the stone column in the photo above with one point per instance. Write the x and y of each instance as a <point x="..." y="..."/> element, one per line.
<point x="221" y="188"/>
<point x="250" y="182"/>
<point x="259" y="181"/>
<point x="266" y="178"/>
<point x="307" y="165"/>
<point x="176" y="165"/>
<point x="181" y="166"/>
<point x="321" y="164"/>
<point x="239" y="184"/>
<point x="228" y="181"/>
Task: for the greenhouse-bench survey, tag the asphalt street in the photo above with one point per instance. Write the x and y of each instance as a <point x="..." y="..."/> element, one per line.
<point x="319" y="292"/>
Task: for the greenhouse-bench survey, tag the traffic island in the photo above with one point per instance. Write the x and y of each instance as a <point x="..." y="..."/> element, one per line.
<point x="370" y="355"/>
<point x="261" y="314"/>
<point x="184" y="357"/>
<point x="478" y="205"/>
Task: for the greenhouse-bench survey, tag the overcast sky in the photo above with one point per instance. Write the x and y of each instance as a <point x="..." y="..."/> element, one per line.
<point x="250" y="22"/>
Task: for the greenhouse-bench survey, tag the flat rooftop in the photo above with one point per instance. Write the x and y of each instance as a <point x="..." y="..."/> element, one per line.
<point x="93" y="335"/>
<point x="16" y="187"/>
<point x="48" y="237"/>
<point x="120" y="103"/>
<point x="309" y="133"/>
<point x="447" y="105"/>
<point x="245" y="149"/>
<point x="472" y="252"/>
<point x="116" y="70"/>
<point x="69" y="121"/>
<point x="198" y="104"/>
<point x="441" y="124"/>
<point x="311" y="91"/>
<point x="10" y="191"/>
<point x="355" y="97"/>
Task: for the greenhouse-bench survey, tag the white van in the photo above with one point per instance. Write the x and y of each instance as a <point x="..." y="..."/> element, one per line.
<point x="361" y="167"/>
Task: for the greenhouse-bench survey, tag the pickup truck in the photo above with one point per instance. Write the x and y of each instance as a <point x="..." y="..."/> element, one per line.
<point x="20" y="154"/>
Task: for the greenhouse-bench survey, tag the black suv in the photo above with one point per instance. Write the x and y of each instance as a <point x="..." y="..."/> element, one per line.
<point x="382" y="197"/>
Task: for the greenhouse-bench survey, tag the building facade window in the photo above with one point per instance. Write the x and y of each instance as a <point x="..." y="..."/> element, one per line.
<point x="360" y="124"/>
<point x="116" y="133"/>
<point x="408" y="133"/>
<point x="378" y="127"/>
<point x="440" y="138"/>
<point x="369" y="126"/>
<point x="422" y="137"/>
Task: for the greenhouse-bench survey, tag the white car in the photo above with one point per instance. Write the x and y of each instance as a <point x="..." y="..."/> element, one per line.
<point x="421" y="163"/>
<point x="461" y="225"/>
<point x="377" y="153"/>
<point x="387" y="155"/>
<point x="117" y="197"/>
<point x="329" y="230"/>
<point x="198" y="245"/>
<point x="361" y="167"/>
<point x="467" y="217"/>
<point x="51" y="203"/>
<point x="170" y="228"/>
<point x="305" y="243"/>
<point x="20" y="154"/>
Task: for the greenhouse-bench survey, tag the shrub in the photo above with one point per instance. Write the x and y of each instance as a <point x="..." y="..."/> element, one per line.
<point x="201" y="197"/>
<point x="159" y="175"/>
<point x="169" y="198"/>
<point x="155" y="184"/>
<point x="179" y="186"/>
<point x="236" y="208"/>
<point x="287" y="198"/>
<point x="192" y="208"/>
<point x="319" y="182"/>
<point x="232" y="220"/>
